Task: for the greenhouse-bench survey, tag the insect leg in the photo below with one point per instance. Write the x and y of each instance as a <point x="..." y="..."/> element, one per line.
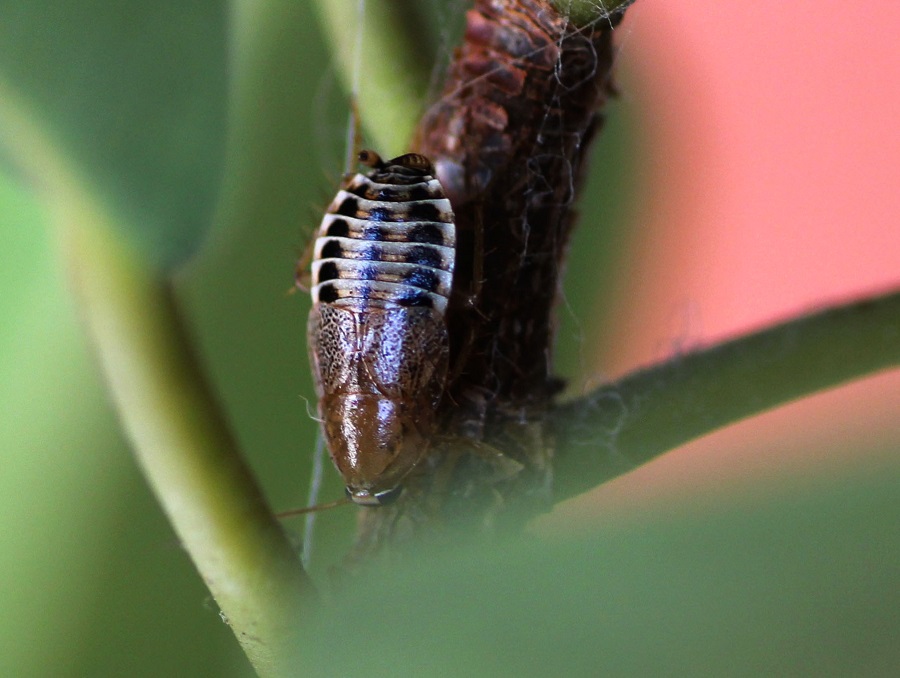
<point x="302" y="272"/>
<point x="471" y="302"/>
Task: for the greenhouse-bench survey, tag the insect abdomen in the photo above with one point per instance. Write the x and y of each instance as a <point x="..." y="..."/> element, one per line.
<point x="382" y="274"/>
<point x="385" y="250"/>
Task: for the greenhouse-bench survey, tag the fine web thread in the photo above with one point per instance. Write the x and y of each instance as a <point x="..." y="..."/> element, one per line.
<point x="315" y="486"/>
<point x="350" y="161"/>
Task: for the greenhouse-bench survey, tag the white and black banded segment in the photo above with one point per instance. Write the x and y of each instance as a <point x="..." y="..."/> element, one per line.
<point x="388" y="238"/>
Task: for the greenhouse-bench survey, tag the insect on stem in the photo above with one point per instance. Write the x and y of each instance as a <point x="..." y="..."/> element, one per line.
<point x="382" y="274"/>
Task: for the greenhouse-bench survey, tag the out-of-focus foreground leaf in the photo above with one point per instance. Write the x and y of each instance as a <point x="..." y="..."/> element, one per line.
<point x="800" y="580"/>
<point x="135" y="94"/>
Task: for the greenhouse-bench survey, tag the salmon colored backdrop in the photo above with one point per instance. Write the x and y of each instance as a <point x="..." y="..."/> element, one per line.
<point x="770" y="174"/>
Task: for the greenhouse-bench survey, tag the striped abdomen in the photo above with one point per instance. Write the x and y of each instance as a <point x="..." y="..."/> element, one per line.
<point x="381" y="277"/>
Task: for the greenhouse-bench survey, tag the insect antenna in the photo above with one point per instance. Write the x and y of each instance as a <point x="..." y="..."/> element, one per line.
<point x="308" y="510"/>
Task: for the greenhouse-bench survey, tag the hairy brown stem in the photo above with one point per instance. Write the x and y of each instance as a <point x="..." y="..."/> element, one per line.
<point x="508" y="137"/>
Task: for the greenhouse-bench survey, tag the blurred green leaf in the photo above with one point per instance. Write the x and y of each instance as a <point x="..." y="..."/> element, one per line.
<point x="799" y="580"/>
<point x="84" y="548"/>
<point x="135" y="93"/>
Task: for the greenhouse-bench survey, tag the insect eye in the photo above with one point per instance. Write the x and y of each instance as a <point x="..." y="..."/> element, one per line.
<point x="364" y="498"/>
<point x="369" y="158"/>
<point x="389" y="496"/>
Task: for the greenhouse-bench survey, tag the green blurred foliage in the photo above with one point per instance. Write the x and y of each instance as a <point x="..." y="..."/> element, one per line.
<point x="94" y="582"/>
<point x="135" y="93"/>
<point x="798" y="581"/>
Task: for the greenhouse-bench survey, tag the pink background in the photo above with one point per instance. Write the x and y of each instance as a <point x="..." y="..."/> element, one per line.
<point x="771" y="171"/>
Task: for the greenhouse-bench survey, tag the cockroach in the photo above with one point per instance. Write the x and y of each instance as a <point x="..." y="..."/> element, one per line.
<point x="382" y="273"/>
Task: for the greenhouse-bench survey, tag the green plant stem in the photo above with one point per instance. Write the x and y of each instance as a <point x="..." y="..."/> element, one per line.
<point x="396" y="74"/>
<point x="185" y="448"/>
<point x="628" y="423"/>
<point x="582" y="12"/>
<point x="177" y="431"/>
